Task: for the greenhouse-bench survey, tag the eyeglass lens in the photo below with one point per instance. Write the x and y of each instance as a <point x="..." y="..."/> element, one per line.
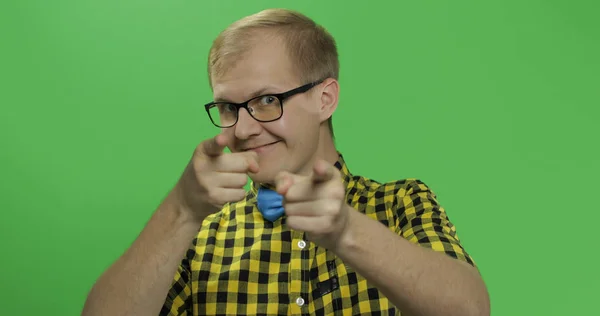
<point x="264" y="108"/>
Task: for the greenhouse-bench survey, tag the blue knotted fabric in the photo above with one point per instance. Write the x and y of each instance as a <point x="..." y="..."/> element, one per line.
<point x="270" y="204"/>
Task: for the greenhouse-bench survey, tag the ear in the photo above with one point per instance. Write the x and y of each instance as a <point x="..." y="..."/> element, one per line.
<point x="329" y="98"/>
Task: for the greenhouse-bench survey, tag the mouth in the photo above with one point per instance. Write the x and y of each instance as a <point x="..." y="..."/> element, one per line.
<point x="260" y="148"/>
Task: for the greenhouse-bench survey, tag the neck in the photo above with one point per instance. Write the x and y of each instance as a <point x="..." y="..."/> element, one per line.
<point x="326" y="149"/>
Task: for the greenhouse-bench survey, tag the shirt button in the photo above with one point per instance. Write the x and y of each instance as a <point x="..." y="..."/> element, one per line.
<point x="301" y="244"/>
<point x="300" y="301"/>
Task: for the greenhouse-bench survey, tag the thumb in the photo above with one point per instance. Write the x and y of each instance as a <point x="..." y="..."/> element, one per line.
<point x="214" y="146"/>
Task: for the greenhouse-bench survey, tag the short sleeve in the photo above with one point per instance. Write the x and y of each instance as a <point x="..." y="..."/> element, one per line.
<point x="423" y="221"/>
<point x="178" y="301"/>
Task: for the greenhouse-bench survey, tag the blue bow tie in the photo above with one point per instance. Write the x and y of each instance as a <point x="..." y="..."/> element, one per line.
<point x="270" y="204"/>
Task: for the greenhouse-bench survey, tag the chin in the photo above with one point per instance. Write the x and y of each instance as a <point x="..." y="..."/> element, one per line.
<point x="268" y="170"/>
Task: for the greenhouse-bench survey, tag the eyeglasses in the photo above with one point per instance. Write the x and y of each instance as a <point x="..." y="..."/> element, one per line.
<point x="264" y="108"/>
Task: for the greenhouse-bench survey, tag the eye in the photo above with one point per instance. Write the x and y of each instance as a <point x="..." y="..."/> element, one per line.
<point x="227" y="107"/>
<point x="268" y="99"/>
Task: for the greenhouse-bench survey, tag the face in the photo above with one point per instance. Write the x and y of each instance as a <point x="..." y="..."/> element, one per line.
<point x="289" y="143"/>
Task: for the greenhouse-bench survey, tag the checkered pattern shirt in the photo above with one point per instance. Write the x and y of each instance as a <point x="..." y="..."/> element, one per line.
<point x="242" y="264"/>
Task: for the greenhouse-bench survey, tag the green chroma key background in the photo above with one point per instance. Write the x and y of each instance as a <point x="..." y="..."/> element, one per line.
<point x="494" y="105"/>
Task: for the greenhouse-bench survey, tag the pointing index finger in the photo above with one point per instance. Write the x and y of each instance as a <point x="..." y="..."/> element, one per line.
<point x="214" y="147"/>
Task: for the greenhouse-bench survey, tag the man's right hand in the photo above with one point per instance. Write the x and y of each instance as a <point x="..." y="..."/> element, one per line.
<point x="138" y="282"/>
<point x="214" y="177"/>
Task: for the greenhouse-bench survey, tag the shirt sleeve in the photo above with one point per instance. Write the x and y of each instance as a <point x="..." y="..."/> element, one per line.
<point x="423" y="221"/>
<point x="178" y="301"/>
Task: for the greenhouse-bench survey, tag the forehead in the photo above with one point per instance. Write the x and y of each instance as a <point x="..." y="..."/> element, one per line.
<point x="264" y="67"/>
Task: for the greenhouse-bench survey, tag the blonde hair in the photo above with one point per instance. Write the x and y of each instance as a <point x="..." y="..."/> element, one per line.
<point x="311" y="48"/>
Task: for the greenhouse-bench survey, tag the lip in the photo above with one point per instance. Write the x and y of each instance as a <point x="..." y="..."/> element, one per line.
<point x="262" y="148"/>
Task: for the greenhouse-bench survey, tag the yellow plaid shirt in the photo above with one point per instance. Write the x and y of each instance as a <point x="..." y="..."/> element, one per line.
<point x="242" y="264"/>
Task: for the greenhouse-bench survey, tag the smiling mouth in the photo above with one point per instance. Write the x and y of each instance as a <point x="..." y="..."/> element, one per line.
<point x="259" y="147"/>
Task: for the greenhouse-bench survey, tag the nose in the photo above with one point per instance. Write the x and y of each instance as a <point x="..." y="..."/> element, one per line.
<point x="246" y="125"/>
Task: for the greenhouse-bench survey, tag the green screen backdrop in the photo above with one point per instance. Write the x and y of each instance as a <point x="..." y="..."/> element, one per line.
<point x="493" y="104"/>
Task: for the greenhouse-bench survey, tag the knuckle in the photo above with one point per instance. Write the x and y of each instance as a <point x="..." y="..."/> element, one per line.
<point x="213" y="196"/>
<point x="338" y="192"/>
<point x="291" y="221"/>
<point x="199" y="168"/>
<point x="252" y="157"/>
<point x="210" y="195"/>
<point x="237" y="160"/>
<point x="240" y="195"/>
<point x="331" y="207"/>
<point x="330" y="229"/>
<point x="203" y="179"/>
<point x="329" y="224"/>
<point x="242" y="180"/>
<point x="245" y="163"/>
<point x="201" y="164"/>
<point x="252" y="154"/>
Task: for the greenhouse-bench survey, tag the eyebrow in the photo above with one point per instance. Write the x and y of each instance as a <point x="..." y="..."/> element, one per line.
<point x="262" y="91"/>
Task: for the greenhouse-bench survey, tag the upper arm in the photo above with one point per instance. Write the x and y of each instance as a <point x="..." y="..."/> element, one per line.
<point x="422" y="220"/>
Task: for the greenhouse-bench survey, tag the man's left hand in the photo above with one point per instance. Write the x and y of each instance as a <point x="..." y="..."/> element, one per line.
<point x="316" y="204"/>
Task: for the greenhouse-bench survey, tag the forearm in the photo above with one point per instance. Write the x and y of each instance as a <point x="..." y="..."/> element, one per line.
<point x="138" y="282"/>
<point x="419" y="281"/>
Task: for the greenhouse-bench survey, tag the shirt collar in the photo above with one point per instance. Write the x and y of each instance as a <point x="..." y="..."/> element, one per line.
<point x="340" y="164"/>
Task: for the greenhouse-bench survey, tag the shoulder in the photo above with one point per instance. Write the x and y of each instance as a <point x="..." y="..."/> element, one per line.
<point x="412" y="191"/>
<point x="410" y="198"/>
<point x="397" y="200"/>
<point x="386" y="202"/>
<point x="392" y="191"/>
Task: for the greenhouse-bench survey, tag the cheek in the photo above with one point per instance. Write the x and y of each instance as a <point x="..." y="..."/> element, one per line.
<point x="300" y="117"/>
<point x="295" y="128"/>
<point x="279" y="128"/>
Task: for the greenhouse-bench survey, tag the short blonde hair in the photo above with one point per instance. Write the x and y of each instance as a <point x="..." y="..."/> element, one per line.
<point x="310" y="46"/>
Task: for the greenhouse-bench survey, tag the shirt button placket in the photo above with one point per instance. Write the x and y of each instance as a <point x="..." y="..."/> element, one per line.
<point x="300" y="301"/>
<point x="297" y="285"/>
<point x="301" y="244"/>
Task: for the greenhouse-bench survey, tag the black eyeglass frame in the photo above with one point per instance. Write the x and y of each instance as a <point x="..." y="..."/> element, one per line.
<point x="280" y="96"/>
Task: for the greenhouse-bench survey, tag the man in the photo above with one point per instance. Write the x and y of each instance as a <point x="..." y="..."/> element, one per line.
<point x="308" y="237"/>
